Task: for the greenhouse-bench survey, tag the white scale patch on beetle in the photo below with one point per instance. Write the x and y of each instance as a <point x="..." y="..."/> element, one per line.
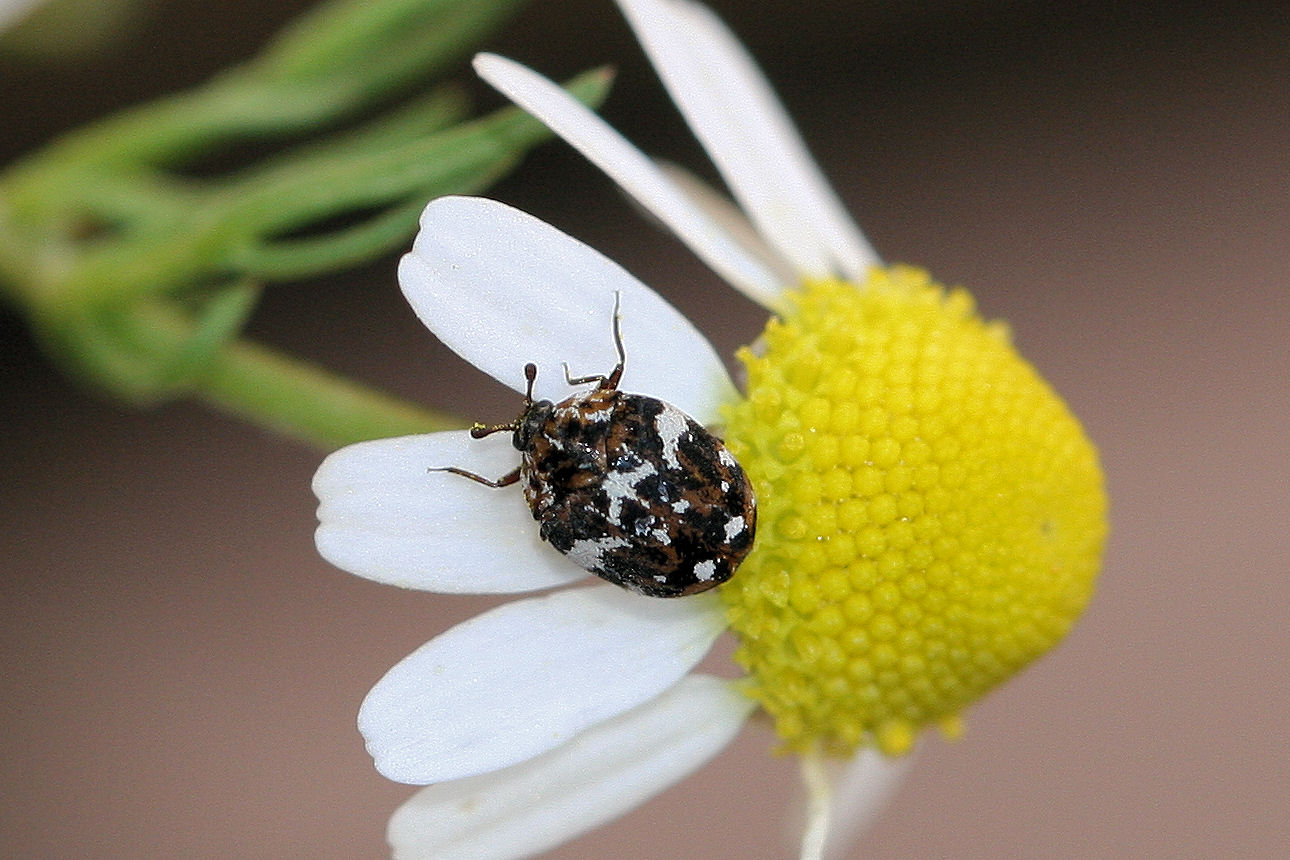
<point x="704" y="571"/>
<point x="629" y="487"/>
<point x="670" y="425"/>
<point x="588" y="553"/>
<point x="621" y="486"/>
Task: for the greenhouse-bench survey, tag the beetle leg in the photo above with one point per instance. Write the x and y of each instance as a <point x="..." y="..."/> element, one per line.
<point x="609" y="381"/>
<point x="504" y="481"/>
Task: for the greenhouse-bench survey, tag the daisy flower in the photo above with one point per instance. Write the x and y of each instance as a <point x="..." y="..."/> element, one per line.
<point x="930" y="514"/>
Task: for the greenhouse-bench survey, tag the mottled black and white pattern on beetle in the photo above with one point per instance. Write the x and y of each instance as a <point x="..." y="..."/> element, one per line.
<point x="629" y="487"/>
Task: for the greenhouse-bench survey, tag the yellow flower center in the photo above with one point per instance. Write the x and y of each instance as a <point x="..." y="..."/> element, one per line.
<point x="930" y="514"/>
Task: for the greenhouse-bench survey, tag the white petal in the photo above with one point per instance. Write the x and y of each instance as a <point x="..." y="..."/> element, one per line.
<point x="734" y="113"/>
<point x="863" y="789"/>
<point x="526" y="677"/>
<point x="632" y="170"/>
<point x="502" y="289"/>
<point x="384" y="516"/>
<point x="844" y="797"/>
<point x="734" y="221"/>
<point x="602" y="773"/>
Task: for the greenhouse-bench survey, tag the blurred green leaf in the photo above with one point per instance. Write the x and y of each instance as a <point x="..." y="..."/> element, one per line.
<point x="137" y="271"/>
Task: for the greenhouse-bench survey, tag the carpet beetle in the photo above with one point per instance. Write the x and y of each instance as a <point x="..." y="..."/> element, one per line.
<point x="629" y="487"/>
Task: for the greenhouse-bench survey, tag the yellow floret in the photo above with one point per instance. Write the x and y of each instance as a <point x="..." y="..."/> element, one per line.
<point x="930" y="514"/>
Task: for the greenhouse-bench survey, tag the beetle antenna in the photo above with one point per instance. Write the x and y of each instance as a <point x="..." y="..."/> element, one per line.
<point x="530" y="373"/>
<point x="617" y="374"/>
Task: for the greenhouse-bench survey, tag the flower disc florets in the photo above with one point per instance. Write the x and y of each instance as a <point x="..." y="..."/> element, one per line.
<point x="932" y="515"/>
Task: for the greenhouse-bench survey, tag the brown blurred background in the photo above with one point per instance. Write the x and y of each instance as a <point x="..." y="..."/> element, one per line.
<point x="181" y="672"/>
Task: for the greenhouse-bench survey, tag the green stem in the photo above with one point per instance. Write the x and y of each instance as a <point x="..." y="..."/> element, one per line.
<point x="293" y="397"/>
<point x="307" y="402"/>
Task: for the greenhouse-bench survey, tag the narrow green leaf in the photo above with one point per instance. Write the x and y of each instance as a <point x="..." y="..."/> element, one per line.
<point x="342" y="33"/>
<point x="217" y="323"/>
<point x="294" y="259"/>
<point x="366" y="51"/>
<point x="297" y="196"/>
